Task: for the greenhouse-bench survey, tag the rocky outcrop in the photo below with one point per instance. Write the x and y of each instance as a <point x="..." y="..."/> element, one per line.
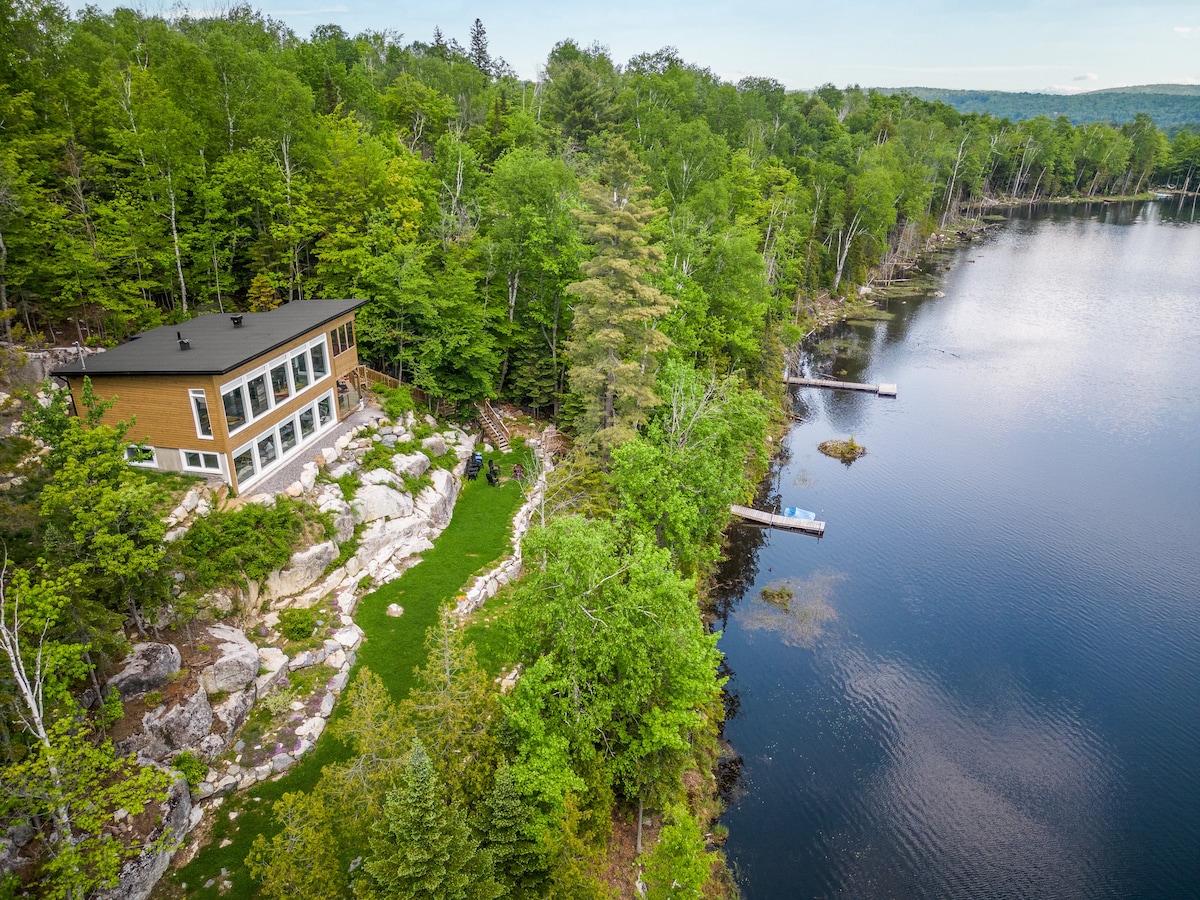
<point x="435" y="446"/>
<point x="148" y="667"/>
<point x="138" y="876"/>
<point x="414" y="464"/>
<point x="237" y="664"/>
<point x="169" y="729"/>
<point x="436" y="503"/>
<point x="375" y="501"/>
<point x="303" y="570"/>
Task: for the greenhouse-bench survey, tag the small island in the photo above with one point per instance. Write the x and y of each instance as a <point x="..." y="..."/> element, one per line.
<point x="847" y="451"/>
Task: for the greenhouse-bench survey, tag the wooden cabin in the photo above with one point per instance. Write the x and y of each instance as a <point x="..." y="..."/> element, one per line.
<point x="230" y="395"/>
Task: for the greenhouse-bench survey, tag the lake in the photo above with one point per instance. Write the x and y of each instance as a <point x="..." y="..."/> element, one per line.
<point x="986" y="680"/>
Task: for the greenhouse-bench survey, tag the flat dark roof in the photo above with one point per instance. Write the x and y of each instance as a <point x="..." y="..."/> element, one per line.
<point x="215" y="345"/>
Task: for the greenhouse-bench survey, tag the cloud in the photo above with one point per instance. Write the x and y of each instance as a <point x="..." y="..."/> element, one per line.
<point x="1186" y="31"/>
<point x="1090" y="76"/>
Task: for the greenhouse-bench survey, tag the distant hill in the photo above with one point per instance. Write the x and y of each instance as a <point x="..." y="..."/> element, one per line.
<point x="1191" y="90"/>
<point x="1171" y="106"/>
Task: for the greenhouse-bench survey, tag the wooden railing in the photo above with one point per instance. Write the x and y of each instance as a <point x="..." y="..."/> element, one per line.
<point x="367" y="375"/>
<point x="493" y="426"/>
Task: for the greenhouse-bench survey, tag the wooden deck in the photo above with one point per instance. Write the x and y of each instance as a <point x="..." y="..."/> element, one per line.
<point x="786" y="523"/>
<point x="883" y="390"/>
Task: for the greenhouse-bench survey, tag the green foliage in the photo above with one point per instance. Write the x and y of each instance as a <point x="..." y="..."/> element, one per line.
<point x="678" y="867"/>
<point x="397" y="401"/>
<point x="300" y="860"/>
<point x="153" y="699"/>
<point x="229" y="549"/>
<point x="192" y="767"/>
<point x="278" y="702"/>
<point x="422" y="847"/>
<point x="676" y="482"/>
<point x="505" y="823"/>
<point x="111" y="709"/>
<point x="297" y="624"/>
<point x="625" y="672"/>
<point x="349" y="483"/>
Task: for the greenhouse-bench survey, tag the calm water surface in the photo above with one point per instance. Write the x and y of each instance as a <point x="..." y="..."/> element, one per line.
<point x="988" y="680"/>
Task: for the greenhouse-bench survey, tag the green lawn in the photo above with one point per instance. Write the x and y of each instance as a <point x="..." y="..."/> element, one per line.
<point x="475" y="539"/>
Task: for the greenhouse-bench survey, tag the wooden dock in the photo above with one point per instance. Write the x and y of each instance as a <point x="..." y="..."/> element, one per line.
<point x="787" y="523"/>
<point x="883" y="390"/>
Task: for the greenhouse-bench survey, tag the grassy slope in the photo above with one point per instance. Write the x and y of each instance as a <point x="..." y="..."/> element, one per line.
<point x="477" y="536"/>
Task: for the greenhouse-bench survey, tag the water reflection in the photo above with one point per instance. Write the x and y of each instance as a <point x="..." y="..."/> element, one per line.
<point x="1005" y="704"/>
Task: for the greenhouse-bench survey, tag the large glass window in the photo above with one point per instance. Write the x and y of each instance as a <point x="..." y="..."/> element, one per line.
<point x="279" y="383"/>
<point x="308" y="423"/>
<point x="343" y="338"/>
<point x="325" y="410"/>
<point x="200" y="412"/>
<point x="287" y="436"/>
<point x="235" y="408"/>
<point x="260" y="400"/>
<point x="319" y="366"/>
<point x="300" y="371"/>
<point x="243" y="464"/>
<point x="267" y="451"/>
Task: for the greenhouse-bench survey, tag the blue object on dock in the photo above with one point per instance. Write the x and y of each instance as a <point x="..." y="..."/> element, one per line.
<point x="795" y="512"/>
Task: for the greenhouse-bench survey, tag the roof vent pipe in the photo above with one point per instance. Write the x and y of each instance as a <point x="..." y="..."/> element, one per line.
<point x="184" y="343"/>
<point x="236" y="320"/>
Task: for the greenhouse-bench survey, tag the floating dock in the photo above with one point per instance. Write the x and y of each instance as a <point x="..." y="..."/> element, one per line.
<point x="883" y="390"/>
<point x="787" y="523"/>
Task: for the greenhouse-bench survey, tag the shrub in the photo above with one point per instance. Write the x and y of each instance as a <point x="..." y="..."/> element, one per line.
<point x="278" y="702"/>
<point x="230" y="548"/>
<point x="396" y="401"/>
<point x="192" y="767"/>
<point x="112" y="710"/>
<point x="297" y="624"/>
<point x="153" y="699"/>
<point x="349" y="483"/>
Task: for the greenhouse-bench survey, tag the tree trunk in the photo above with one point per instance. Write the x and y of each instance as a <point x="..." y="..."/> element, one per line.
<point x="175" y="239"/>
<point x="4" y="316"/>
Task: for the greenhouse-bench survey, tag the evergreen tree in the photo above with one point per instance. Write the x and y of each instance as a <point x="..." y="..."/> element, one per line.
<point x="615" y="341"/>
<point x="422" y="847"/>
<point x="505" y="830"/>
<point x="478" y="52"/>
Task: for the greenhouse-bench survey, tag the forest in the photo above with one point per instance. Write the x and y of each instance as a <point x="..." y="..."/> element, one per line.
<point x="1172" y="107"/>
<point x="623" y="248"/>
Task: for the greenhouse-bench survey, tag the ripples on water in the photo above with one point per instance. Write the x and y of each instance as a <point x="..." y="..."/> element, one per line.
<point x="1005" y="705"/>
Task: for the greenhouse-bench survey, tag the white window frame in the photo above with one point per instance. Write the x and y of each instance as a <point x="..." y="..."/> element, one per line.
<point x="284" y="360"/>
<point x="255" y="475"/>
<point x="219" y="470"/>
<point x="151" y="463"/>
<point x="193" y="393"/>
<point x="282" y="457"/>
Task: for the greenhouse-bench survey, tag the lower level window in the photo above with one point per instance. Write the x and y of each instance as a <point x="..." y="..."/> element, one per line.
<point x="201" y="461"/>
<point x="267" y="451"/>
<point x="243" y="464"/>
<point x="141" y="455"/>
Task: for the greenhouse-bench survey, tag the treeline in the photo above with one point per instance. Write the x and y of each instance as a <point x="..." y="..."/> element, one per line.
<point x="152" y="169"/>
<point x="1171" y="107"/>
<point x="625" y="247"/>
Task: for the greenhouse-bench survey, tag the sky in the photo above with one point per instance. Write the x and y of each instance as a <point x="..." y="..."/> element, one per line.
<point x="1060" y="46"/>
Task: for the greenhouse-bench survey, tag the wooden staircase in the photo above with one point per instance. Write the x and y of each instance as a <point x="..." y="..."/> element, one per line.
<point x="493" y="427"/>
